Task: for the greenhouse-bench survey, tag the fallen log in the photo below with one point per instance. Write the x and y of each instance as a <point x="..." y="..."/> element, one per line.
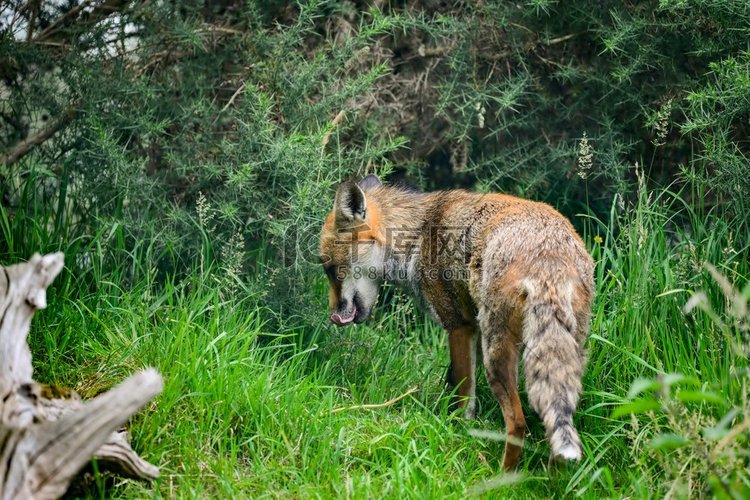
<point x="45" y="439"/>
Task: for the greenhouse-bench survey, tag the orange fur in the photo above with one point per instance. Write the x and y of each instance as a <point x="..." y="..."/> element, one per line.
<point x="522" y="279"/>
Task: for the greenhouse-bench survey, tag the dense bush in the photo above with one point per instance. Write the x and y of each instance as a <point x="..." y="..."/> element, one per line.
<point x="183" y="155"/>
<point x="257" y="108"/>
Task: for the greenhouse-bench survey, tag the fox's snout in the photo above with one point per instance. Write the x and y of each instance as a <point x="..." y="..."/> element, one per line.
<point x="345" y="315"/>
<point x="338" y="320"/>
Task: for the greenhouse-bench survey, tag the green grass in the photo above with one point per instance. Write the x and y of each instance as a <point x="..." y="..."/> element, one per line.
<point x="249" y="411"/>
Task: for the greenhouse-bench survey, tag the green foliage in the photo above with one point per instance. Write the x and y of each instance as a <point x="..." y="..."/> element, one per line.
<point x="248" y="410"/>
<point x="698" y="437"/>
<point x="193" y="164"/>
<point x="263" y="107"/>
<point x="684" y="375"/>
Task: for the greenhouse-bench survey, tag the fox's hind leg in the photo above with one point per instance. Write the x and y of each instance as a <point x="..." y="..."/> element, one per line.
<point x="462" y="371"/>
<point x="501" y="342"/>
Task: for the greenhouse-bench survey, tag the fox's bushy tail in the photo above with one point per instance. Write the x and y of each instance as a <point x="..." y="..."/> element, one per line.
<point x="553" y="364"/>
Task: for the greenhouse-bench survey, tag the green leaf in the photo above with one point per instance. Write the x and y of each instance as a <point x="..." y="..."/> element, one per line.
<point x="670" y="379"/>
<point x="635" y="407"/>
<point x="722" y="427"/>
<point x="668" y="441"/>
<point x="701" y="397"/>
<point x="642" y="384"/>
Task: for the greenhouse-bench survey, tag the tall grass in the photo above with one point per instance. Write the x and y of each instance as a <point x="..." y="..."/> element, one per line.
<point x="249" y="411"/>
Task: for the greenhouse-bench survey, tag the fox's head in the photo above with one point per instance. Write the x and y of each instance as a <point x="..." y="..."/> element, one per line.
<point x="352" y="251"/>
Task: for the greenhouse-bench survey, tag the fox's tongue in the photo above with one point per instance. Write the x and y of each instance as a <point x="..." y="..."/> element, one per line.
<point x="343" y="320"/>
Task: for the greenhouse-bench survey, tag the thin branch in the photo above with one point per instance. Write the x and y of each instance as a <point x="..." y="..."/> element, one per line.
<point x="99" y="12"/>
<point x="24" y="147"/>
<point x="376" y="405"/>
<point x="53" y="44"/>
<point x="563" y="38"/>
<point x="211" y="28"/>
<point x="334" y="123"/>
<point x="62" y="20"/>
<point x="237" y="92"/>
<point x="155" y="60"/>
<point x="438" y="51"/>
<point x="34" y="6"/>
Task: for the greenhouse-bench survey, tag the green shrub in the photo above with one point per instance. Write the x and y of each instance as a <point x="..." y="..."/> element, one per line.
<point x="260" y="108"/>
<point x="236" y="101"/>
<point x="694" y="437"/>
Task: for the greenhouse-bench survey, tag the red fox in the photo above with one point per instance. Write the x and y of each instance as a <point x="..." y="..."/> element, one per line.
<point x="509" y="273"/>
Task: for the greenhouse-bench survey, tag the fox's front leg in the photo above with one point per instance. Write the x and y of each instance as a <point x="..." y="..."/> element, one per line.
<point x="461" y="373"/>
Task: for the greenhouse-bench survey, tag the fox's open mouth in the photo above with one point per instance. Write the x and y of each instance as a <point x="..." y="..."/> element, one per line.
<point x="342" y="319"/>
<point x="356" y="315"/>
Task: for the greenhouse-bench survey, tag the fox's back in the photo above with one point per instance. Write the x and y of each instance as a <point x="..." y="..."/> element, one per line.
<point x="507" y="229"/>
<point x="479" y="239"/>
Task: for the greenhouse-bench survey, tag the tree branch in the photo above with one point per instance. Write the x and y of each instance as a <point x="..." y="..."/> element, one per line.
<point x="45" y="442"/>
<point x="34" y="6"/>
<point x="56" y="29"/>
<point x="24" y="147"/>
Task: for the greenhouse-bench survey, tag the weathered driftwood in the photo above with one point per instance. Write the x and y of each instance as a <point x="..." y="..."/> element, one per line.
<point x="44" y="439"/>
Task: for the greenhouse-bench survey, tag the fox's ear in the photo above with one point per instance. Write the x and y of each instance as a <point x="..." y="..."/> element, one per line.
<point x="351" y="203"/>
<point x="369" y="182"/>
